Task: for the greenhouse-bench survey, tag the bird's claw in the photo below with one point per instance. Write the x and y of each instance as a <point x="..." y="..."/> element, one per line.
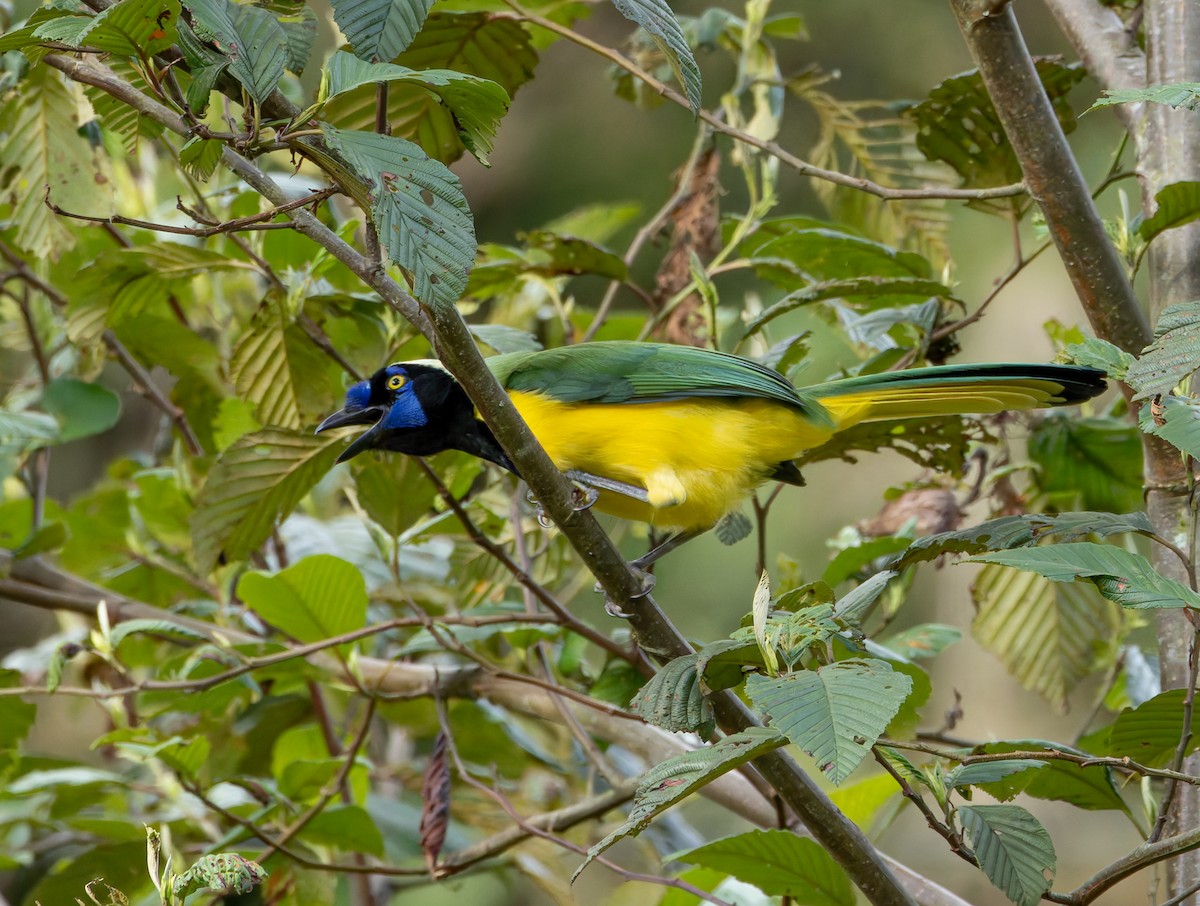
<point x="646" y="585"/>
<point x="583" y="497"/>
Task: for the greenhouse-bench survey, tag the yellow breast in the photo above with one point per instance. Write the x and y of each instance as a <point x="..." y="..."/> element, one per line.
<point x="697" y="459"/>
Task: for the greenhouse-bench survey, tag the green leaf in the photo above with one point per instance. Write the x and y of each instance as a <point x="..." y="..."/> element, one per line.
<point x="989" y="771"/>
<point x="246" y="39"/>
<point x="222" y="872"/>
<point x="199" y="157"/>
<point x="1097" y="353"/>
<point x="834" y="713"/>
<point x="1121" y="576"/>
<point x="21" y="432"/>
<point x="478" y="45"/>
<point x="393" y="491"/>
<point x="922" y="641"/>
<point x="82" y="409"/>
<point x="676" y="778"/>
<point x="658" y="20"/>
<point x="168" y="628"/>
<point x="1174" y="205"/>
<point x="318" y="598"/>
<point x="503" y="338"/>
<point x="853" y="606"/>
<point x="1177" y="94"/>
<point x="299" y="23"/>
<point x="1048" y="636"/>
<point x="958" y="124"/>
<point x="1094" y="463"/>
<point x="119" y="118"/>
<point x="345" y="827"/>
<point x="1021" y="531"/>
<point x="418" y="209"/>
<point x="1175" y="352"/>
<point x="850" y="289"/>
<point x="477" y="105"/>
<point x="780" y="864"/>
<point x="1013" y="849"/>
<point x="673" y="699"/>
<point x="44" y="149"/>
<point x="1180" y="423"/>
<point x="1150" y="733"/>
<point x="273" y="366"/>
<point x="1088" y="787"/>
<point x="134" y="28"/>
<point x="16" y="715"/>
<point x="863" y="801"/>
<point x="121" y="865"/>
<point x="255" y="483"/>
<point x="380" y="29"/>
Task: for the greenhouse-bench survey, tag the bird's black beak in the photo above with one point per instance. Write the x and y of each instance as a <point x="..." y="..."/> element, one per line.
<point x="344" y="418"/>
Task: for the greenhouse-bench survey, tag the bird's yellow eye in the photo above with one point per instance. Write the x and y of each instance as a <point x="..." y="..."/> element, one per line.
<point x="396" y="381"/>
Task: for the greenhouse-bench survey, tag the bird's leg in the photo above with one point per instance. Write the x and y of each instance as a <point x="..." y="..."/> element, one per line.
<point x="600" y="483"/>
<point x="677" y="540"/>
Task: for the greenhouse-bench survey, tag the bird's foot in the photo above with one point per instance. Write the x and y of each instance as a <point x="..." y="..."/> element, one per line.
<point x="583" y="497"/>
<point x="646" y="585"/>
<point x="539" y="511"/>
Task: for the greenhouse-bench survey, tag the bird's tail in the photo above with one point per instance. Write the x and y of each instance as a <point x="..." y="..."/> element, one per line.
<point x="956" y="390"/>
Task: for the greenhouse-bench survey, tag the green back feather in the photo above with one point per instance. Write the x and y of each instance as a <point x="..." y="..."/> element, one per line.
<point x="620" y="371"/>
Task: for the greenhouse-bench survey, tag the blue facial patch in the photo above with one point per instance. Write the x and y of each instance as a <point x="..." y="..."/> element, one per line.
<point x="358" y="396"/>
<point x="406" y="411"/>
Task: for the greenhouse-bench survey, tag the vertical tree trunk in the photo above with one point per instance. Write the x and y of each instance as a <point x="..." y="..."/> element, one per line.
<point x="1171" y="143"/>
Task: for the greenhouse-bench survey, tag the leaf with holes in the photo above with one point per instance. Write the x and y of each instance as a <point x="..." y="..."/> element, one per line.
<point x="835" y="713"/>
<point x="676" y="778"/>
<point x="673" y="699"/>
<point x="418" y="209"/>
<point x="1175" y="352"/>
<point x="1013" y="849"/>
<point x="440" y="116"/>
<point x="1121" y="576"/>
<point x="477" y="105"/>
<point x="778" y="863"/>
<point x="249" y="40"/>
<point x="1175" y="420"/>
<point x="256" y="482"/>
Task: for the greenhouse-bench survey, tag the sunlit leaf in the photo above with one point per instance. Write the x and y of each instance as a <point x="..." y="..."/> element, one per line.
<point x="318" y="598"/>
<point x="1150" y="733"/>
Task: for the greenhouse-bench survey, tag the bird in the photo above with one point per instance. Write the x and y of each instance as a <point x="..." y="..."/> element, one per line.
<point x="676" y="436"/>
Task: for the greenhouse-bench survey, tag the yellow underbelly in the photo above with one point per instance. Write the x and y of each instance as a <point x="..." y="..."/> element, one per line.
<point x="697" y="459"/>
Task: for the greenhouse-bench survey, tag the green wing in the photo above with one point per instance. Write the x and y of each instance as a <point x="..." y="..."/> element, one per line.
<point x="626" y="372"/>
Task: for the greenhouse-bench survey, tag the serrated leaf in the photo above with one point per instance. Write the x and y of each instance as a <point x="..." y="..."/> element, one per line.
<point x="394" y="491"/>
<point x="1097" y="353"/>
<point x="272" y="366"/>
<point x="778" y="863"/>
<point x="441" y="118"/>
<point x="958" y="124"/>
<point x="222" y="872"/>
<point x="673" y="699"/>
<point x="989" y="771"/>
<point x="922" y="641"/>
<point x="1121" y="576"/>
<point x="1008" y="532"/>
<point x="853" y="606"/>
<point x="733" y="527"/>
<point x="658" y="20"/>
<point x="45" y="149"/>
<point x="418" y="209"/>
<point x="1175" y="352"/>
<point x="503" y="338"/>
<point x="246" y="39"/>
<point x="169" y="628"/>
<point x="1177" y="422"/>
<point x="477" y="105"/>
<point x="1177" y="94"/>
<point x="299" y="23"/>
<point x="1013" y="849"/>
<point x="1088" y="787"/>
<point x="1150" y="733"/>
<point x="318" y="598"/>
<point x="255" y="483"/>
<point x="134" y="28"/>
<point x="380" y="29"/>
<point x="1048" y="636"/>
<point x="119" y="118"/>
<point x="199" y="157"/>
<point x="82" y="409"/>
<point x="835" y="713"/>
<point x="676" y="778"/>
<point x="26" y="35"/>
